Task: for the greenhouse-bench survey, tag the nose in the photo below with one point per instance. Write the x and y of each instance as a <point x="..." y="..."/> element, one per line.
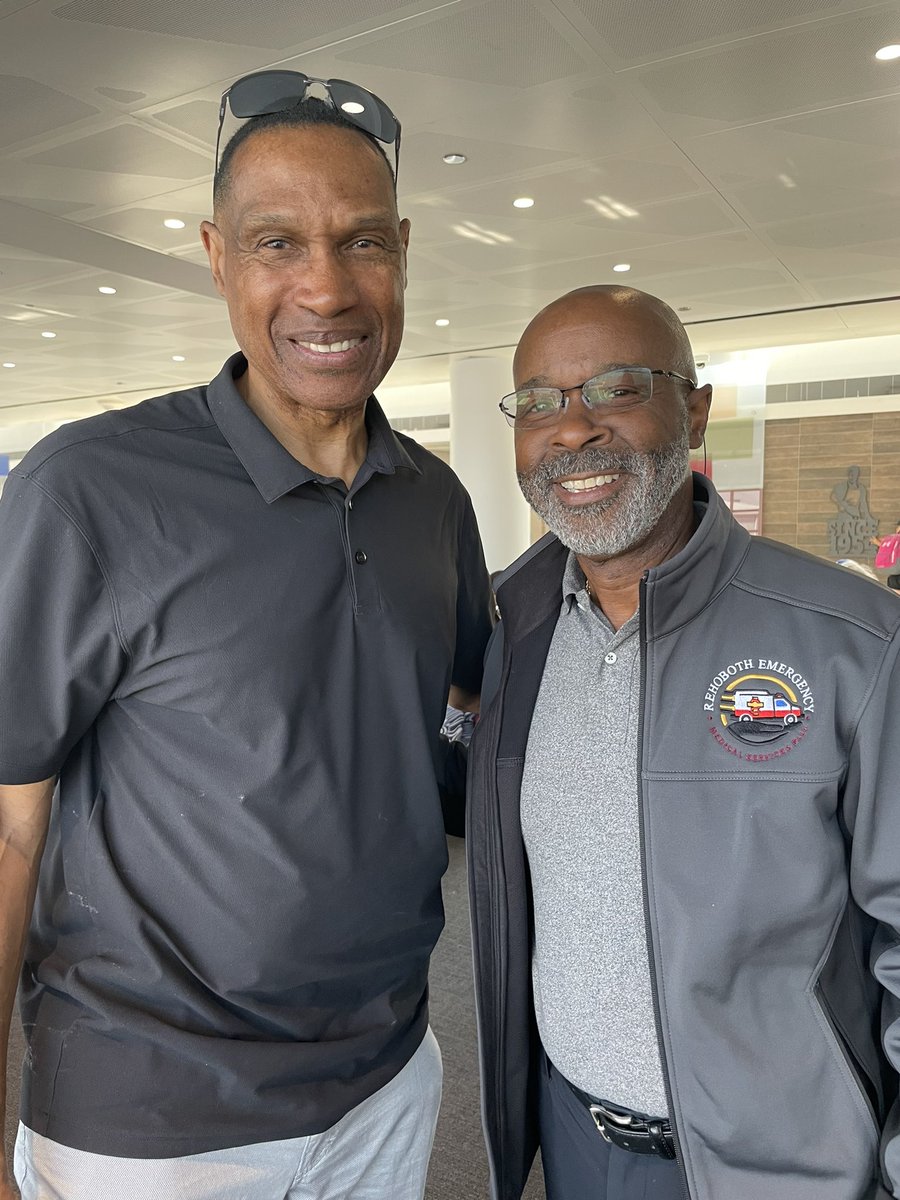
<point x="325" y="283"/>
<point x="578" y="426"/>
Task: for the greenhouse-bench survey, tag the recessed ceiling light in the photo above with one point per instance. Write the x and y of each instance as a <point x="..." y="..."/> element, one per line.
<point x="622" y="267"/>
<point x="173" y="223"/>
<point x="442" y="321"/>
<point x="107" y="291"/>
<point x="9" y="364"/>
<point x="523" y="202"/>
<point x="48" y="334"/>
<point x="886" y="53"/>
<point x="177" y="358"/>
<point x="454" y="159"/>
<point x="353" y="106"/>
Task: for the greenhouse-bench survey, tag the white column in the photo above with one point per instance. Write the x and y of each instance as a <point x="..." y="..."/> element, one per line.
<point x="482" y="455"/>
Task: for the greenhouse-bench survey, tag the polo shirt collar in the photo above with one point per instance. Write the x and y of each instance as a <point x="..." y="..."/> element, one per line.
<point x="272" y="468"/>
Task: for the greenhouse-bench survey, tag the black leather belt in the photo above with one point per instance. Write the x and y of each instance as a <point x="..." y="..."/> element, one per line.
<point x="628" y="1130"/>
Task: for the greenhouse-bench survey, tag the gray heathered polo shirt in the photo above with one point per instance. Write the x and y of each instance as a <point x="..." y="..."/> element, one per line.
<point x="240" y="670"/>
<point x="580" y="823"/>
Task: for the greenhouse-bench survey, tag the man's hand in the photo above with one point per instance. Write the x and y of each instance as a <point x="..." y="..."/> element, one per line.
<point x="464" y="701"/>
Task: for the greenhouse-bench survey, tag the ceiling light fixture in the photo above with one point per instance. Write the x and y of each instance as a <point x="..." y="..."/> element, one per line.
<point x="107" y="291"/>
<point x="622" y="267"/>
<point x="523" y="202"/>
<point x="442" y="321"/>
<point x="173" y="223"/>
<point x="48" y="334"/>
<point x="454" y="159"/>
<point x="9" y="364"/>
<point x="177" y="358"/>
<point x="887" y="53"/>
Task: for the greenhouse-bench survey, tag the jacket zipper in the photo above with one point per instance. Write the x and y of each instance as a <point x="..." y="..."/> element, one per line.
<point x="650" y="951"/>
<point x="496" y="893"/>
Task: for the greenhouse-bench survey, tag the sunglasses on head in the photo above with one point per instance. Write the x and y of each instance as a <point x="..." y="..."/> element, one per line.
<point x="277" y="91"/>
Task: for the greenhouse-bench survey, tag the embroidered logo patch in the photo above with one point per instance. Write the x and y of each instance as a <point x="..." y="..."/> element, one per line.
<point x="757" y="703"/>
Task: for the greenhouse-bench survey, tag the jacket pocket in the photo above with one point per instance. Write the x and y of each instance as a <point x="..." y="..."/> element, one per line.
<point x="867" y="1086"/>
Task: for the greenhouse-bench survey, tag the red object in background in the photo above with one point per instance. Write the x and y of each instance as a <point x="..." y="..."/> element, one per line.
<point x="702" y="466"/>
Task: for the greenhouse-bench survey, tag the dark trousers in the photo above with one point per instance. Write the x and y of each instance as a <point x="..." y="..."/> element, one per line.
<point x="580" y="1165"/>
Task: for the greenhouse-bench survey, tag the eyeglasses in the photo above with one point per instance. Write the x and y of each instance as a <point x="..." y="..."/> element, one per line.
<point x="613" y="391"/>
<point x="276" y="91"/>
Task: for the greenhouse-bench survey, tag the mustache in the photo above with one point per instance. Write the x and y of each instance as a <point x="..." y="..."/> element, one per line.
<point x="594" y="461"/>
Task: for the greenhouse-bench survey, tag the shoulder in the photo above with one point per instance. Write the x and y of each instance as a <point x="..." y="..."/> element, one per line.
<point x="85" y="444"/>
<point x="797" y="578"/>
<point x="432" y="467"/>
<point x="438" y="479"/>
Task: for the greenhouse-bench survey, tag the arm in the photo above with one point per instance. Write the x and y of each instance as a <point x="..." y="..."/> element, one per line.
<point x="474" y="620"/>
<point x="24" y="817"/>
<point x="871" y="809"/>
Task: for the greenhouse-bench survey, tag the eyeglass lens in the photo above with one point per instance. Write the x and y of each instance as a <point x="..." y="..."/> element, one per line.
<point x="611" y="391"/>
<point x="268" y="92"/>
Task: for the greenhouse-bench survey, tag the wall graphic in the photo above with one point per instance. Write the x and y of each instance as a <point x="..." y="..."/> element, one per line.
<point x="850" y="533"/>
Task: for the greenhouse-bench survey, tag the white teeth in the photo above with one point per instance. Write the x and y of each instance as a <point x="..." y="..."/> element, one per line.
<point x="331" y="347"/>
<point x="582" y="485"/>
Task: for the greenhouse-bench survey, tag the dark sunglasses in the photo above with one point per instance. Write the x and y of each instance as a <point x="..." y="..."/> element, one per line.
<point x="276" y="91"/>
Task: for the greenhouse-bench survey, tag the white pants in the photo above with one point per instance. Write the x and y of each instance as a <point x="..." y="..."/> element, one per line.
<point x="378" y="1151"/>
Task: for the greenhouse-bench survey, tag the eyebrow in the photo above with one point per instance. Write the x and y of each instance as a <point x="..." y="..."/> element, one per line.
<point x="266" y="220"/>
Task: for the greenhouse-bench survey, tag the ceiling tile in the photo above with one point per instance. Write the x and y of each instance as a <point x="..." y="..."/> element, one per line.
<point x="644" y="29"/>
<point x="130" y="150"/>
<point x="802" y="68"/>
<point x="276" y="24"/>
<point x="145" y="227"/>
<point x="199" y="118"/>
<point x="423" y="168"/>
<point x="31" y="108"/>
<point x="507" y="42"/>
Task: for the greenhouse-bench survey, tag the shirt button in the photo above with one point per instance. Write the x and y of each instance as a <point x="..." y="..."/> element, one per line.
<point x="360" y="556"/>
<point x="611" y="658"/>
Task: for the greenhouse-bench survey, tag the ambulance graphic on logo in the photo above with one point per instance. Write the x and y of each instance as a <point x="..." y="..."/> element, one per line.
<point x="758" y="701"/>
<point x="757" y="704"/>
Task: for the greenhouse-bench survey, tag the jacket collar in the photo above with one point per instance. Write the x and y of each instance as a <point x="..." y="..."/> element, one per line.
<point x="529" y="591"/>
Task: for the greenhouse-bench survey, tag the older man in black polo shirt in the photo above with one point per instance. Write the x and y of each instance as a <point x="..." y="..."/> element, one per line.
<point x="231" y="617"/>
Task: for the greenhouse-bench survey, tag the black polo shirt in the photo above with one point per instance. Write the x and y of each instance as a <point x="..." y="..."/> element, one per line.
<point x="239" y="669"/>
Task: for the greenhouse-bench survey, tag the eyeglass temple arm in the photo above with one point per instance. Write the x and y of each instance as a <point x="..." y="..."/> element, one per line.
<point x="222" y="106"/>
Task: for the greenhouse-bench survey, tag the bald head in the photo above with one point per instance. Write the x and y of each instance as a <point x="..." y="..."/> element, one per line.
<point x="620" y="315"/>
<point x="608" y="476"/>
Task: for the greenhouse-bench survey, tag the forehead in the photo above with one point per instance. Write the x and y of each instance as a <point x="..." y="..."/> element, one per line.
<point x="580" y="340"/>
<point x="299" y="162"/>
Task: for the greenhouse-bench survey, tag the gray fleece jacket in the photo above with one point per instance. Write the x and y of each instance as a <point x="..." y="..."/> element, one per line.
<point x="769" y="765"/>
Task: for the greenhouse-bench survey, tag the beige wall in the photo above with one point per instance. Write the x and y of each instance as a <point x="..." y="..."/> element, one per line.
<point x="806" y="457"/>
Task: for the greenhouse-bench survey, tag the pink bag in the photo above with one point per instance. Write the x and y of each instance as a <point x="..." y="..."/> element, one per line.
<point x="888" y="551"/>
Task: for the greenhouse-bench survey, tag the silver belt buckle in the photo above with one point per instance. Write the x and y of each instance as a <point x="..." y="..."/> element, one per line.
<point x="602" y="1114"/>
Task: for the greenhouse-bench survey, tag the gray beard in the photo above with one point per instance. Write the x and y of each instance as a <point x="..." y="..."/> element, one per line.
<point x="621" y="522"/>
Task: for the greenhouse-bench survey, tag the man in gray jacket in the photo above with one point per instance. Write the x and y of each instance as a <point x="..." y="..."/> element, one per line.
<point x="684" y="830"/>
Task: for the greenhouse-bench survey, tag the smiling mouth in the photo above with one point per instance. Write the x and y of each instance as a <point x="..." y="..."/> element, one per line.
<point x="586" y="485"/>
<point x="331" y="347"/>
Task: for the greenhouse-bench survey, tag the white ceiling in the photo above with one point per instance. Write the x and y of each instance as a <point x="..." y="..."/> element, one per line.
<point x="742" y="155"/>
